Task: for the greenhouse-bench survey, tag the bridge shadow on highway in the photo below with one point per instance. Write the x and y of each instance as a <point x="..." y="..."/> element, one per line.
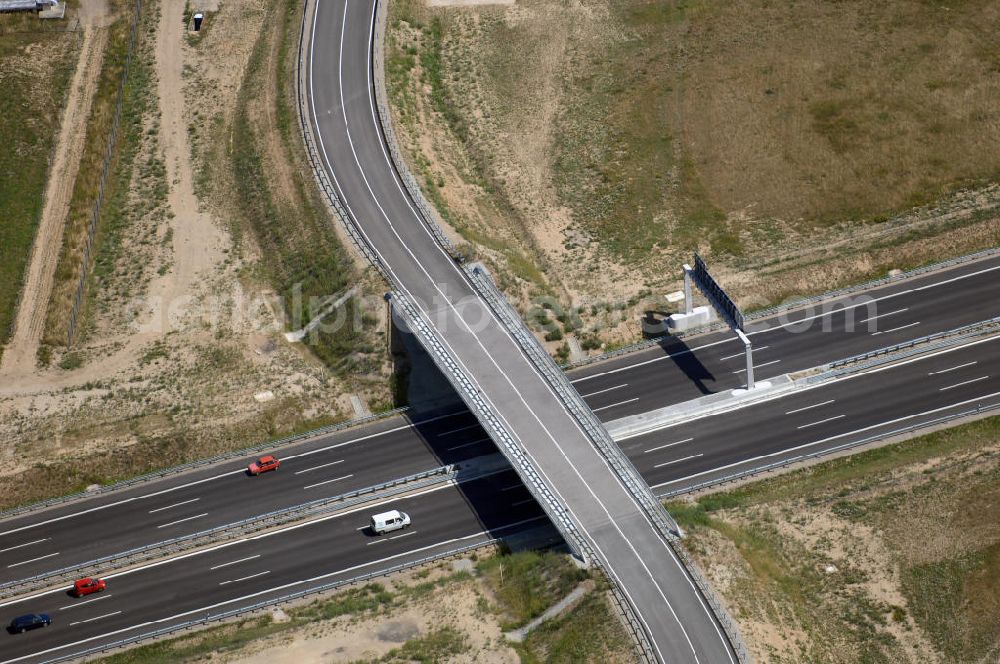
<point x="499" y="501"/>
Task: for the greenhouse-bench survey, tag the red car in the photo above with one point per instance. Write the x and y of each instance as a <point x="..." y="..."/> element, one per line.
<point x="88" y="586"/>
<point x="263" y="464"/>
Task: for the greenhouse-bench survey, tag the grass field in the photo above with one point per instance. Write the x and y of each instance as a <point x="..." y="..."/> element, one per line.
<point x="88" y="181"/>
<point x="35" y="68"/>
<point x="890" y="555"/>
<point x="280" y="206"/>
<point x="798" y="147"/>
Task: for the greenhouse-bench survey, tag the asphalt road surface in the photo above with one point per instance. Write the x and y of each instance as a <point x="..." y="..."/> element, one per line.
<point x="335" y="464"/>
<point x="679" y="371"/>
<point x="587" y="492"/>
<point x="267" y="566"/>
<point x="251" y="570"/>
<point x="669" y="458"/>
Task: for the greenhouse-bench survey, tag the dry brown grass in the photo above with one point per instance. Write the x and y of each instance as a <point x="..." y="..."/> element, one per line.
<point x="36" y="66"/>
<point x="88" y="181"/>
<point x="800" y="147"/>
<point x="890" y="555"/>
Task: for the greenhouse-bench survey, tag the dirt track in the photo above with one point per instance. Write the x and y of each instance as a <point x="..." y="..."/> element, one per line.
<point x="197" y="241"/>
<point x="19" y="356"/>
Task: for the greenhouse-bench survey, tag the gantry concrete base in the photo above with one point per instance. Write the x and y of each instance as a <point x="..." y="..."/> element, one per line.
<point x="699" y="316"/>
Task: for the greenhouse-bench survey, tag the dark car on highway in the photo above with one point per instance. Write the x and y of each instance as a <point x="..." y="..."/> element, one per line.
<point x="30" y="621"/>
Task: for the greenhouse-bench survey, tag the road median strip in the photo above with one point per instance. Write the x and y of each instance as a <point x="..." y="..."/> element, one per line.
<point x="634" y="426"/>
<point x="253" y="526"/>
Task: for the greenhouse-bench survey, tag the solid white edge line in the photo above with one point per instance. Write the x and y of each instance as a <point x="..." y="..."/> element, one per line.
<point x="825" y="440"/>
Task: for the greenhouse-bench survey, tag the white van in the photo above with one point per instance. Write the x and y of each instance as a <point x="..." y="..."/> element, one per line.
<point x="386" y="522"/>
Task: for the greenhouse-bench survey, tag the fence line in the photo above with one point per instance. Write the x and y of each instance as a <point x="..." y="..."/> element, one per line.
<point x="109" y="153"/>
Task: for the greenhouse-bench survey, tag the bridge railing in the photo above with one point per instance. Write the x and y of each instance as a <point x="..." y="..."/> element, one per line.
<point x="407" y="310"/>
<point x="602" y="440"/>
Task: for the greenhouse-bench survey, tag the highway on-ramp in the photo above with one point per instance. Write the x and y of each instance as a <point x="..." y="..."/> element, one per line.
<point x="599" y="512"/>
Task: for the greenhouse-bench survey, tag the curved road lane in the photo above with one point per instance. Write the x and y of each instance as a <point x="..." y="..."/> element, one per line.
<point x="638" y="559"/>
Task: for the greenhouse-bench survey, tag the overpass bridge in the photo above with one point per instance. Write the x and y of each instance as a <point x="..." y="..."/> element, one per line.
<point x="589" y="490"/>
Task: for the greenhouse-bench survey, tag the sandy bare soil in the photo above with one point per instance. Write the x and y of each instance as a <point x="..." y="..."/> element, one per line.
<point x="586" y="148"/>
<point x="198" y="242"/>
<point x="180" y="338"/>
<point x="19" y="356"/>
<point x="893" y="553"/>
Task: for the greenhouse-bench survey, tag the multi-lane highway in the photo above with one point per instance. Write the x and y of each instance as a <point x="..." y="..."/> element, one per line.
<point x="338" y="463"/>
<point x="830" y="415"/>
<point x="607" y="519"/>
<point x="270" y="565"/>
<point x="839" y="328"/>
<point x="833" y="414"/>
<point x="326" y="466"/>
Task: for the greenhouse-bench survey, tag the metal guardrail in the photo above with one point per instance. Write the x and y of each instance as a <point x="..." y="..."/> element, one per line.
<point x="408" y="311"/>
<point x="949" y="338"/>
<point x="757" y="470"/>
<point x="472" y="396"/>
<point x="608" y="449"/>
<point x="290" y="597"/>
<point x="208" y="461"/>
<point x="786" y="307"/>
<point x="105" y="171"/>
<point x="228" y="531"/>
